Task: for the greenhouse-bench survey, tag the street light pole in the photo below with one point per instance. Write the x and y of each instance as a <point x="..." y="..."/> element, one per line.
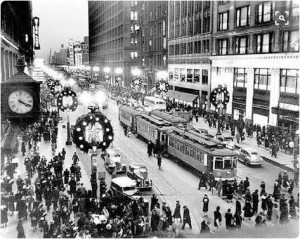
<point x="68" y="142"/>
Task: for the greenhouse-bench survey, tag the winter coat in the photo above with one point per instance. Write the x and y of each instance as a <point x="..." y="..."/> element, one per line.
<point x="205" y="204"/>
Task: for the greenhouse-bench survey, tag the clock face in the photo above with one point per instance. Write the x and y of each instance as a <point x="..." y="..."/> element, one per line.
<point x="20" y="101"/>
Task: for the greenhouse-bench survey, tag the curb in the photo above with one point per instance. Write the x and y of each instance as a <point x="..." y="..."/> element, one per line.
<point x="284" y="167"/>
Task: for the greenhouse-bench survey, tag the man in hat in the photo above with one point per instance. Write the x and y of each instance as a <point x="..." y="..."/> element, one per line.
<point x="72" y="185"/>
<point x="186" y="217"/>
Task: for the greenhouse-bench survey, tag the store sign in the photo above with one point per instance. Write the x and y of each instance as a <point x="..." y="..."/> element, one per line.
<point x="36" y="40"/>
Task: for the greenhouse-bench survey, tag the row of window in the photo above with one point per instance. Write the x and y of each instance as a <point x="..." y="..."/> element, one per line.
<point x="157" y="29"/>
<point x="158" y="44"/>
<point x="189" y="75"/>
<point x="262" y="79"/>
<point x="106" y="23"/>
<point x="146" y="128"/>
<point x="186" y="149"/>
<point x="153" y="12"/>
<point x="189" y="48"/>
<point x="156" y="60"/>
<point x="112" y="56"/>
<point x="117" y="43"/>
<point x="117" y="31"/>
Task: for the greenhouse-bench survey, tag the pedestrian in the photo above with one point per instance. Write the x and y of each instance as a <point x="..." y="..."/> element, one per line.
<point x="34" y="218"/>
<point x="283" y="208"/>
<point x="285" y="180"/>
<point x="246" y="185"/>
<point x="241" y="188"/>
<point x="204" y="227"/>
<point x="177" y="217"/>
<point x="4" y="217"/>
<point x="20" y="229"/>
<point x="263" y="188"/>
<point x="205" y="205"/>
<point x="186" y="217"/>
<point x="72" y="185"/>
<point x="229" y="220"/>
<point x="149" y="148"/>
<point x="66" y="176"/>
<point x="238" y="206"/>
<point x="23" y="148"/>
<point x="211" y="182"/>
<point x="75" y="158"/>
<point x="276" y="191"/>
<point x="248" y="210"/>
<point x="270" y="206"/>
<point x="292" y="208"/>
<point x="203" y="181"/>
<point x="255" y="201"/>
<point x="217" y="218"/>
<point x="159" y="161"/>
<point x="291" y="187"/>
<point x="264" y="203"/>
<point x="63" y="153"/>
<point x="219" y="186"/>
<point x="275" y="214"/>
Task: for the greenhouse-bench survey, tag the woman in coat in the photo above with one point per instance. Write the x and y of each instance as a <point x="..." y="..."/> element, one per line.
<point x="284" y="211"/>
<point x="4" y="218"/>
<point x="264" y="203"/>
<point x="241" y="188"/>
<point x="217" y="218"/>
<point x="292" y="210"/>
<point x="248" y="210"/>
<point x="205" y="204"/>
<point x="228" y="219"/>
<point x="34" y="217"/>
<point x="11" y="203"/>
<point x="275" y="214"/>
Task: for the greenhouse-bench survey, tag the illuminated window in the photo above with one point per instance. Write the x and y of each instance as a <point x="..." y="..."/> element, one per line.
<point x="240" y="77"/>
<point x="264" y="12"/>
<point x="242" y="16"/>
<point x="223" y="21"/>
<point x="262" y="78"/>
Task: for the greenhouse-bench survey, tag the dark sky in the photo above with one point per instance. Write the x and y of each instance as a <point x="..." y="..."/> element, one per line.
<point x="60" y="20"/>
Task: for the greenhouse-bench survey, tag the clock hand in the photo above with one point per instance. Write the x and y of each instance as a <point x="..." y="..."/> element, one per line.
<point x="27" y="105"/>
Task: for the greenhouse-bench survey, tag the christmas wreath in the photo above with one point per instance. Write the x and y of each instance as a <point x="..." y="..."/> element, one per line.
<point x="92" y="129"/>
<point x="219" y="97"/>
<point x="60" y="100"/>
<point x="162" y="86"/>
<point x="53" y="85"/>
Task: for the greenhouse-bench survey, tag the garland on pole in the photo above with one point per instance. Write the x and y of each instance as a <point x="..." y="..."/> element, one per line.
<point x="219" y="96"/>
<point x="92" y="129"/>
<point x="64" y="94"/>
<point x="162" y="86"/>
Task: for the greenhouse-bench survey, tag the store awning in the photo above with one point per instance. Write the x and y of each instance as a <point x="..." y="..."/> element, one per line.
<point x="181" y="96"/>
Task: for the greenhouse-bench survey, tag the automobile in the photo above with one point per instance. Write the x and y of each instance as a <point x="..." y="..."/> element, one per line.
<point x="112" y="162"/>
<point x="123" y="186"/>
<point x="139" y="173"/>
<point x="227" y="141"/>
<point x="250" y="157"/>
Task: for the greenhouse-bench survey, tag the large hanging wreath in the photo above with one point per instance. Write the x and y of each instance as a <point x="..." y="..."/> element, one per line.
<point x="53" y="87"/>
<point x="162" y="86"/>
<point x="92" y="129"/>
<point x="66" y="96"/>
<point x="219" y="97"/>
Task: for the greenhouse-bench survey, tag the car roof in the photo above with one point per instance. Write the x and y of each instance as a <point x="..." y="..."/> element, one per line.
<point x="124" y="181"/>
<point x="138" y="165"/>
<point x="250" y="150"/>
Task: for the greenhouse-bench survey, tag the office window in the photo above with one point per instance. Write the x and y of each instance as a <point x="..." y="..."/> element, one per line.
<point x="133" y="15"/>
<point x="190" y="48"/>
<point x="197" y="47"/>
<point x="177" y="49"/>
<point x="164" y="43"/>
<point x="197" y="25"/>
<point x="164" y="60"/>
<point x="189" y="76"/>
<point x="262" y="78"/>
<point x="164" y="28"/>
<point x="182" y="74"/>
<point x="264" y="12"/>
<point x="133" y="55"/>
<point x="240" y="77"/>
<point x="183" y="48"/>
<point x="206" y="21"/>
<point x="242" y="16"/>
<point x="205" y="46"/>
<point x="241" y="45"/>
<point x="196" y="76"/>
<point x="289" y="81"/>
<point x="223" y="21"/>
<point x="204" y="77"/>
<point x="222" y="47"/>
<point x="150" y="43"/>
<point x="220" y="2"/>
<point x="291" y="41"/>
<point x="263" y="43"/>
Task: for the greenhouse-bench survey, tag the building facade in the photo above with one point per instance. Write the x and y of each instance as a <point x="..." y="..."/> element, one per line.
<point x="111" y="31"/>
<point x="258" y="61"/>
<point x="189" y="32"/>
<point x="16" y="42"/>
<point x="61" y="57"/>
<point x="153" y="55"/>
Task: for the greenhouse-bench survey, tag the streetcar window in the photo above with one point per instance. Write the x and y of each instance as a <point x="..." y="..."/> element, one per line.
<point x="227" y="163"/>
<point x="218" y="163"/>
<point x="234" y="161"/>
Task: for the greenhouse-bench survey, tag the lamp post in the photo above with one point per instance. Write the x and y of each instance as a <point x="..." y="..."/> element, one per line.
<point x="118" y="76"/>
<point x="136" y="78"/>
<point x="162" y="84"/>
<point x="94" y="72"/>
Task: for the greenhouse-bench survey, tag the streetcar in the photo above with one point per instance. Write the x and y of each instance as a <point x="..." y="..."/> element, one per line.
<point x="128" y="117"/>
<point x="154" y="129"/>
<point x="202" y="155"/>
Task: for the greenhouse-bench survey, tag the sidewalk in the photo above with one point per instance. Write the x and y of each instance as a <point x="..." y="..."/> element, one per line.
<point x="283" y="160"/>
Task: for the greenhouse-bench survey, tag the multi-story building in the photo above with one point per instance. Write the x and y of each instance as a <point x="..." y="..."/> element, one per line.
<point x="61" y="57"/>
<point x="153" y="44"/>
<point x="189" y="40"/>
<point x="72" y="43"/>
<point x="258" y="60"/>
<point x="16" y="41"/>
<point x="111" y="32"/>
